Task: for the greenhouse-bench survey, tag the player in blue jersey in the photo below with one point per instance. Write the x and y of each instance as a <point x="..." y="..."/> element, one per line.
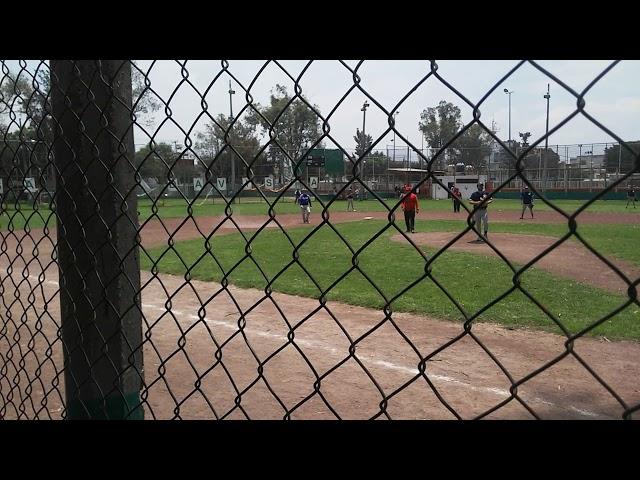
<point x="305" y="206"/>
<point x="527" y="201"/>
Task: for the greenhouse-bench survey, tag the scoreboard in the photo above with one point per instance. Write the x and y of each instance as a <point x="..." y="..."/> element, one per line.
<point x="315" y="161"/>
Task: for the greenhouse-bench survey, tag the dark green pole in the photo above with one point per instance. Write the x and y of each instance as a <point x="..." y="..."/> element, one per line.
<point x="98" y="256"/>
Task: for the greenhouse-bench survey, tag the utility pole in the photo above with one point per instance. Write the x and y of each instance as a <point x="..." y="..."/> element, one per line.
<point x="233" y="158"/>
<point x="546" y="143"/>
<point x="506" y="90"/>
<point x="619" y="160"/>
<point x="364" y="136"/>
<point x="492" y="151"/>
<point x="394" y="138"/>
<point x="422" y="151"/>
<point x="580" y="163"/>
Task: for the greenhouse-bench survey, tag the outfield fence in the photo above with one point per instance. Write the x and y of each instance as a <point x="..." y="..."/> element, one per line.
<point x="83" y="332"/>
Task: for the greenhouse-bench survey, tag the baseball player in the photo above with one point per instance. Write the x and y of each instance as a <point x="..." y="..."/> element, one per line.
<point x="305" y="206"/>
<point x="480" y="216"/>
<point x="457" y="198"/>
<point x="410" y="207"/>
<point x="527" y="201"/>
<point x="631" y="196"/>
<point x="350" y="200"/>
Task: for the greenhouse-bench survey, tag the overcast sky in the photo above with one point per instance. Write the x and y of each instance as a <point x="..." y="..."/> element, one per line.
<point x="614" y="100"/>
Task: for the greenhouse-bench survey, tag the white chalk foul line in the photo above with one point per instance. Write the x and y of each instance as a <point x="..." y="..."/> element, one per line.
<point x="371" y="361"/>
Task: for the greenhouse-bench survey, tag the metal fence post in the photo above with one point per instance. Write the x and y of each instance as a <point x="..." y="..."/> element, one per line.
<point x="97" y="239"/>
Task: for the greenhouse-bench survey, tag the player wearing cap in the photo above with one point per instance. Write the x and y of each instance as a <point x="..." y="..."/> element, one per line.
<point x="480" y="216"/>
<point x="410" y="207"/>
<point x="350" y="200"/>
<point x="527" y="201"/>
<point x="305" y="206"/>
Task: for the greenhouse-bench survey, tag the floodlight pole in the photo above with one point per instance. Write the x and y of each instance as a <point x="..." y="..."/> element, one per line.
<point x="546" y="144"/>
<point x="233" y="158"/>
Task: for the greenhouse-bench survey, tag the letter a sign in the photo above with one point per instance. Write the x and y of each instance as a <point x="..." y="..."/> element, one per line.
<point x="221" y="183"/>
<point x="313" y="182"/>
<point x="30" y="184"/>
<point x="197" y="184"/>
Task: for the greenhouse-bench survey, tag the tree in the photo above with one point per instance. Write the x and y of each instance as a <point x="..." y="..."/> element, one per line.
<point x="533" y="164"/>
<point x="551" y="163"/>
<point x="144" y="104"/>
<point x="154" y="161"/>
<point x="441" y="123"/>
<point x="377" y="162"/>
<point x="613" y="157"/>
<point x="473" y="147"/>
<point x="15" y="91"/>
<point x="23" y="151"/>
<point x="530" y="161"/>
<point x="362" y="142"/>
<point x="242" y="136"/>
<point x="18" y="96"/>
<point x="503" y="158"/>
<point x="26" y="151"/>
<point x="30" y="97"/>
<point x="296" y="128"/>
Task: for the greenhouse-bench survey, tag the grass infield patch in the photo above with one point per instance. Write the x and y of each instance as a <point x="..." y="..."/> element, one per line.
<point x="398" y="272"/>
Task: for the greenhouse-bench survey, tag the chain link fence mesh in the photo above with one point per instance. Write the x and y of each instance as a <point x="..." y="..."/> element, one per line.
<point x="207" y="346"/>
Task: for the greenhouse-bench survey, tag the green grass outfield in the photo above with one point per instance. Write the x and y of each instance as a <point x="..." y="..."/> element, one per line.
<point x="177" y="208"/>
<point x="473" y="280"/>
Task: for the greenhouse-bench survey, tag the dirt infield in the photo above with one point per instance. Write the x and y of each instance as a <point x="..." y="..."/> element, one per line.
<point x="570" y="260"/>
<point x="182" y="382"/>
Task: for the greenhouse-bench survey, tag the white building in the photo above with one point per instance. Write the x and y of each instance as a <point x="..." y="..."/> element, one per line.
<point x="466" y="183"/>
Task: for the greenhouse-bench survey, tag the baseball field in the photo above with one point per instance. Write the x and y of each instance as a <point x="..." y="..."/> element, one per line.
<point x="249" y="313"/>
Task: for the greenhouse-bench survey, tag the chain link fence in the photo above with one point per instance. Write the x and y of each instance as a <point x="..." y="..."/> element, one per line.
<point x="146" y="282"/>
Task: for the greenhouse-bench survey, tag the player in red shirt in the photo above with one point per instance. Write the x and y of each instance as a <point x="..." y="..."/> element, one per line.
<point x="410" y="207"/>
